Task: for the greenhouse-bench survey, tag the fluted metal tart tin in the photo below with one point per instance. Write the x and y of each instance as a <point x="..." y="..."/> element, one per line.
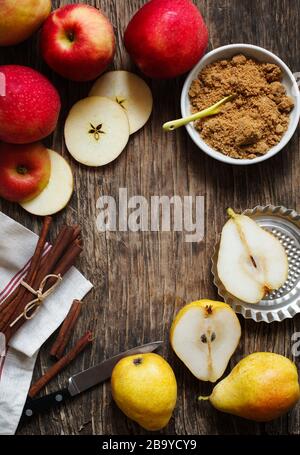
<point x="285" y="302"/>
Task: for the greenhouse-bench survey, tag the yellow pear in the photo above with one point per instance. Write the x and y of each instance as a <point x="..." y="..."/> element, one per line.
<point x="144" y="387"/>
<point x="204" y="335"/>
<point x="261" y="387"/>
<point x="20" y="19"/>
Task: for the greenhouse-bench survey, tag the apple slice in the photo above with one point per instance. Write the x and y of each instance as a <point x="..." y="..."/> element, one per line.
<point x="96" y="131"/>
<point x="204" y="335"/>
<point x="130" y="91"/>
<point x="251" y="261"/>
<point x="57" y="193"/>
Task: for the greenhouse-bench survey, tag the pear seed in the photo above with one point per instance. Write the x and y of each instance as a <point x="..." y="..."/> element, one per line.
<point x="203" y="338"/>
<point x="253" y="261"/>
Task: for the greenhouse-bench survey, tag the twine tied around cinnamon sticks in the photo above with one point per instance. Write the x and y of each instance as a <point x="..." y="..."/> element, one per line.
<point x="57" y="261"/>
<point x="33" y="306"/>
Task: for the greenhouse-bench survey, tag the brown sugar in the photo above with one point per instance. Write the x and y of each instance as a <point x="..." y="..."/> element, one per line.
<point x="255" y="119"/>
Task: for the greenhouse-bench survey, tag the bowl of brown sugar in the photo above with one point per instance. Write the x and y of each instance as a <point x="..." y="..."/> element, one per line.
<point x="260" y="118"/>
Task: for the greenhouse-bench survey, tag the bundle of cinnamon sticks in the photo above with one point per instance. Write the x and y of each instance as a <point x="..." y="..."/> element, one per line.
<point x="56" y="262"/>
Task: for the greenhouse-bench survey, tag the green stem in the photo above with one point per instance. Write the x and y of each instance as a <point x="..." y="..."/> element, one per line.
<point x="212" y="110"/>
<point x="203" y="398"/>
<point x="231" y="213"/>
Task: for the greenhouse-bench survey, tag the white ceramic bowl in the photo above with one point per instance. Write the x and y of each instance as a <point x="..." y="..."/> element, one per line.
<point x="260" y="54"/>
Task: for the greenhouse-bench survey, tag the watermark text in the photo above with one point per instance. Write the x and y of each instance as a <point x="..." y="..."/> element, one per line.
<point x="158" y="213"/>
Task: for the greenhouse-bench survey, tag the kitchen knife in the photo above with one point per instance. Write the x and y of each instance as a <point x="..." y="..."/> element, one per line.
<point x="81" y="381"/>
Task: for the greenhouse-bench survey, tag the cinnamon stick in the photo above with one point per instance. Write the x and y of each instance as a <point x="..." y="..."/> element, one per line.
<point x="59" y="247"/>
<point x="62" y="267"/>
<point x="30" y="276"/>
<point x="61" y="364"/>
<point x="63" y="240"/>
<point x="67" y="260"/>
<point x="65" y="332"/>
<point x="58" y="260"/>
<point x="76" y="231"/>
<point x="12" y="296"/>
<point x="39" y="248"/>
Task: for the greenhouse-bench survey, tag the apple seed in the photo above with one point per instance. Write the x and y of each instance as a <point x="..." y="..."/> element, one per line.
<point x="96" y="131"/>
<point x="120" y="101"/>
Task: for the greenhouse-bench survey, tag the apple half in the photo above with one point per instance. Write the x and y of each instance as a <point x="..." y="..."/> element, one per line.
<point x="96" y="131"/>
<point x="128" y="90"/>
<point x="57" y="193"/>
<point x="204" y="335"/>
<point x="251" y="260"/>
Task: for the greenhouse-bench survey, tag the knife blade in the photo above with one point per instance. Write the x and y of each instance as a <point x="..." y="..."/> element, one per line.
<point x="81" y="382"/>
<point x="88" y="378"/>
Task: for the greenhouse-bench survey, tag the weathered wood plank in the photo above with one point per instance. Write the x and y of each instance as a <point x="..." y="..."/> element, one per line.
<point x="141" y="280"/>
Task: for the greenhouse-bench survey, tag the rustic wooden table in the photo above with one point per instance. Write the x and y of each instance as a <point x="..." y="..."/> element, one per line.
<point x="142" y="279"/>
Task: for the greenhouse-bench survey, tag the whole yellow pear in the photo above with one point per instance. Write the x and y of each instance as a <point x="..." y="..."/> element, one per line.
<point x="21" y="18"/>
<point x="261" y="387"/>
<point x="144" y="387"/>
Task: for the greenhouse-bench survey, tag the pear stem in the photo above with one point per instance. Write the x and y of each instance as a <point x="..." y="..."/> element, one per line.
<point x="231" y="213"/>
<point x="212" y="110"/>
<point x="200" y="398"/>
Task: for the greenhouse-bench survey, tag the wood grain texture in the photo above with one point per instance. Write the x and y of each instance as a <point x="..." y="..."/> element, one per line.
<point x="142" y="279"/>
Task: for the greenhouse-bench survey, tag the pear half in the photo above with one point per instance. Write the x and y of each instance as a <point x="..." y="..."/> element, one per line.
<point x="261" y="387"/>
<point x="96" y="131"/>
<point x="56" y="195"/>
<point x="130" y="92"/>
<point x="251" y="261"/>
<point x="204" y="335"/>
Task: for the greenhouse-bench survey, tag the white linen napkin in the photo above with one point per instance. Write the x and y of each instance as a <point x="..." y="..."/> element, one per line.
<point x="16" y="248"/>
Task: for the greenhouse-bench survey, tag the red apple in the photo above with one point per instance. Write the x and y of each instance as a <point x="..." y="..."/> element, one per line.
<point x="78" y="42"/>
<point x="24" y="171"/>
<point x="30" y="106"/>
<point x="166" y="38"/>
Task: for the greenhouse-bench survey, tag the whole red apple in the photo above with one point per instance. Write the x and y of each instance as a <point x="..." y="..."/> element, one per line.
<point x="166" y="38"/>
<point x="78" y="42"/>
<point x="30" y="106"/>
<point x="24" y="170"/>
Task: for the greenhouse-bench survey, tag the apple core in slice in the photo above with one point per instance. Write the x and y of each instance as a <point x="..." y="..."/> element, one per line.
<point x="130" y="92"/>
<point x="57" y="193"/>
<point x="96" y="131"/>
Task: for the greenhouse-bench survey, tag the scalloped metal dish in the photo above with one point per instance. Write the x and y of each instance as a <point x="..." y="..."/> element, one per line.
<point x="285" y="302"/>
